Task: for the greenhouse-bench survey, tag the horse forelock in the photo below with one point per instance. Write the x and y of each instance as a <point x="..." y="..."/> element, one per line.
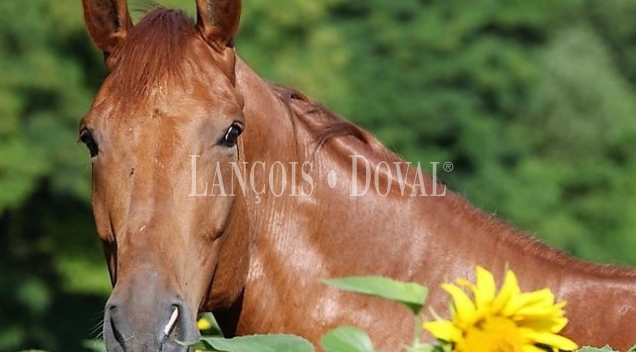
<point x="152" y="56"/>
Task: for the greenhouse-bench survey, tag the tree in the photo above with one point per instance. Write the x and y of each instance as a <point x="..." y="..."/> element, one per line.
<point x="47" y="242"/>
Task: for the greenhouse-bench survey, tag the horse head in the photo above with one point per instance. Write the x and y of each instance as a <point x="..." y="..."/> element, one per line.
<point x="167" y="105"/>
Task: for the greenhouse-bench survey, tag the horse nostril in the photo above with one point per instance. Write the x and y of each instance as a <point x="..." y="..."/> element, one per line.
<point x="110" y="313"/>
<point x="112" y="323"/>
<point x="173" y="319"/>
<point x="177" y="325"/>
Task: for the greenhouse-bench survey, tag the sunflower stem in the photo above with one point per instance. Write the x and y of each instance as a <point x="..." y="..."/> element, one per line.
<point x="417" y="329"/>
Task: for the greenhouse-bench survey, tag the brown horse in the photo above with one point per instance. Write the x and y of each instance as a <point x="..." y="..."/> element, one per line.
<point x="215" y="190"/>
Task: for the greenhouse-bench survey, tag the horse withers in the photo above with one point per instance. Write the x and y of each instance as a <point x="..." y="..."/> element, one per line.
<point x="214" y="190"/>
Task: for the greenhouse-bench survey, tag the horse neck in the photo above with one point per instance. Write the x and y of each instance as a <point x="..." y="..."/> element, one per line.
<point x="304" y="238"/>
<point x="268" y="140"/>
<point x="449" y="221"/>
<point x="267" y="120"/>
<point x="429" y="239"/>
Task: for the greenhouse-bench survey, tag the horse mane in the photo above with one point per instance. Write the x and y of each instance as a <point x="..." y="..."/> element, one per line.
<point x="152" y="54"/>
<point x="326" y="123"/>
<point x="517" y="239"/>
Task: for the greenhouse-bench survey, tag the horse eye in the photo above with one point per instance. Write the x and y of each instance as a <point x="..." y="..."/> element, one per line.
<point x="231" y="136"/>
<point x="86" y="137"/>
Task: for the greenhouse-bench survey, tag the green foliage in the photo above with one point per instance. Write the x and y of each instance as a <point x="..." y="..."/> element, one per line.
<point x="594" y="349"/>
<point x="95" y="345"/>
<point x="353" y="339"/>
<point x="346" y="339"/>
<point x="251" y="343"/>
<point x="604" y="349"/>
<point x="49" y="74"/>
<point x="410" y="294"/>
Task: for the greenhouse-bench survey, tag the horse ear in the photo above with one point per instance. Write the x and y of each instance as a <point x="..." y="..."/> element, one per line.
<point x="218" y="21"/>
<point x="108" y="22"/>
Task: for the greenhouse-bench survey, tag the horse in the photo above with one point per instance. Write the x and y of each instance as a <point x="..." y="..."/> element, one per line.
<point x="215" y="190"/>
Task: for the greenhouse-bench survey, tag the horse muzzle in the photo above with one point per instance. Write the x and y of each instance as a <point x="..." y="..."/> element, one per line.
<point x="148" y="328"/>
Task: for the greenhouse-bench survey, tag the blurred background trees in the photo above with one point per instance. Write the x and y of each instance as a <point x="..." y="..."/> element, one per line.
<point x="534" y="102"/>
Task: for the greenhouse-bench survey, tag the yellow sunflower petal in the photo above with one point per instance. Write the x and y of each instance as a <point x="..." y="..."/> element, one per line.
<point x="203" y="324"/>
<point x="553" y="325"/>
<point x="509" y="289"/>
<point x="520" y="319"/>
<point x="531" y="348"/>
<point x="559" y="324"/>
<point x="549" y="339"/>
<point x="527" y="299"/>
<point x="538" y="311"/>
<point x="561" y="304"/>
<point x="443" y="330"/>
<point x="485" y="288"/>
<point x="464" y="308"/>
<point x="464" y="283"/>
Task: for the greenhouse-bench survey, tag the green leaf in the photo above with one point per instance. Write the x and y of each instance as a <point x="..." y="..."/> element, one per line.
<point x="346" y="339"/>
<point x="95" y="345"/>
<point x="428" y="347"/>
<point x="410" y="294"/>
<point x="255" y="343"/>
<point x="606" y="348"/>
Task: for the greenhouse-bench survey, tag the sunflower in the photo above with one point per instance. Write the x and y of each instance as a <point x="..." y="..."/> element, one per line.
<point x="204" y="324"/>
<point x="510" y="321"/>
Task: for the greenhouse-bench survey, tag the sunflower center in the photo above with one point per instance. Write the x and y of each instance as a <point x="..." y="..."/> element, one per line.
<point x="492" y="334"/>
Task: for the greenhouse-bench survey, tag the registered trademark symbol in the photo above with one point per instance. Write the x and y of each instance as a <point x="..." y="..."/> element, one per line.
<point x="448" y="166"/>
